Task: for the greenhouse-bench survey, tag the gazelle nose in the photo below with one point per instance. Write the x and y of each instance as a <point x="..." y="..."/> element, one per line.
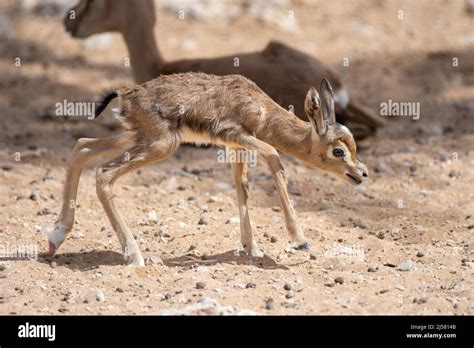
<point x="365" y="175"/>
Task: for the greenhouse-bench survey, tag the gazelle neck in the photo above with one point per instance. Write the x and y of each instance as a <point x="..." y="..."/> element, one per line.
<point x="288" y="134"/>
<point x="146" y="59"/>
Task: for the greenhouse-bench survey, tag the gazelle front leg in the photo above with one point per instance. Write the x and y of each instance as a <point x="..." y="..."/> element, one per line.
<point x="239" y="171"/>
<point x="298" y="240"/>
<point x="270" y="154"/>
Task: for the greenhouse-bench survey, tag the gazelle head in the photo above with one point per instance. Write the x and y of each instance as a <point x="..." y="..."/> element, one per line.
<point x="333" y="148"/>
<point x="90" y="17"/>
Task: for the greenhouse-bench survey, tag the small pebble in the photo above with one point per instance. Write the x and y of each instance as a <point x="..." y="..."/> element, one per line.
<point x="389" y="264"/>
<point x="212" y="199"/>
<point x="200" y="285"/>
<point x="202" y="221"/>
<point x="53" y="264"/>
<point x="68" y="297"/>
<point x="273" y="239"/>
<point x="406" y="266"/>
<point x="43" y="211"/>
<point x="420" y="254"/>
<point x="382" y="167"/>
<point x="269" y="304"/>
<point x="153" y="260"/>
<point x="119" y="290"/>
<point x="100" y="296"/>
<point x="339" y="280"/>
<point x="250" y="286"/>
<point x="454" y="173"/>
<point x="420" y="300"/>
<point x="289" y="295"/>
<point x="77" y="235"/>
<point x="287" y="287"/>
<point x="372" y="269"/>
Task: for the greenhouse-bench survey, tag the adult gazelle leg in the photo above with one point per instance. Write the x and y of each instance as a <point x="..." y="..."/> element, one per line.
<point x="85" y="151"/>
<point x="270" y="154"/>
<point x="239" y="171"/>
<point x="107" y="174"/>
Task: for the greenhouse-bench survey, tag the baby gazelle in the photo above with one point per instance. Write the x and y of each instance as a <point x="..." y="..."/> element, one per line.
<point x="223" y="110"/>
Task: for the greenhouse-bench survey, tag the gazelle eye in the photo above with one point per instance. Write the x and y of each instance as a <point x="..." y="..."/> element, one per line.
<point x="338" y="152"/>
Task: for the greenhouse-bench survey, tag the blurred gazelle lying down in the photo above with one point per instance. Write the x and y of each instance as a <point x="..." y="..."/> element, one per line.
<point x="230" y="111"/>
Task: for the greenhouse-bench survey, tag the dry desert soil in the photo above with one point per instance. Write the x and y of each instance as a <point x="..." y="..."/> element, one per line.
<point x="399" y="244"/>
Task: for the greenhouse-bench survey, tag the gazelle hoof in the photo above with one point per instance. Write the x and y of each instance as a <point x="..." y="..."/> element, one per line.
<point x="135" y="261"/>
<point x="252" y="249"/>
<point x="52" y="249"/>
<point x="256" y="252"/>
<point x="303" y="247"/>
<point x="56" y="237"/>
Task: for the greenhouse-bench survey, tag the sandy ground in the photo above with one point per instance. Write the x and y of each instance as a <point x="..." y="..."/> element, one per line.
<point x="401" y="244"/>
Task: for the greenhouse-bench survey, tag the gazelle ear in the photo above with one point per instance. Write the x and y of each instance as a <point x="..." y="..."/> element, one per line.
<point x="312" y="107"/>
<point x="327" y="102"/>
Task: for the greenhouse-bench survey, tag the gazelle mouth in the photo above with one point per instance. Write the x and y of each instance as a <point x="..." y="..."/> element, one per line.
<point x="354" y="179"/>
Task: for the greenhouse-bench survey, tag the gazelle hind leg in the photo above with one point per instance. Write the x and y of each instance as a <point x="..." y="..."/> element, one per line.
<point x="239" y="171"/>
<point x="111" y="171"/>
<point x="85" y="151"/>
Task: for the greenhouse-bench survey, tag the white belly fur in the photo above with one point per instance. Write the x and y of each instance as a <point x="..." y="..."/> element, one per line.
<point x="191" y="137"/>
